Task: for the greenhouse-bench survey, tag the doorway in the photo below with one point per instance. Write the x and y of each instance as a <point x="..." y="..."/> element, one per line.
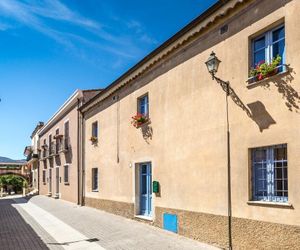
<point x="57" y="180"/>
<point x="146" y="189"/>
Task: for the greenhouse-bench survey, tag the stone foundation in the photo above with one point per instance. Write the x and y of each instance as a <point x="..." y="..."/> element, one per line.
<point x="246" y="234"/>
<point x="213" y="229"/>
<point x="115" y="207"/>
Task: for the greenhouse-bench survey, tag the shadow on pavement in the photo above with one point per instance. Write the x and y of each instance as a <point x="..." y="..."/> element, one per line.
<point x="15" y="232"/>
<point x="70" y="242"/>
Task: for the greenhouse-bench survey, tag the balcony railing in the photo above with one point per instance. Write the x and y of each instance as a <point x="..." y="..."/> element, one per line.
<point x="53" y="149"/>
<point x="45" y="153"/>
<point x="32" y="156"/>
<point x="63" y="144"/>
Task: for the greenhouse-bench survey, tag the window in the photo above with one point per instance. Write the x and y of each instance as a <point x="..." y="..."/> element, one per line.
<point x="44" y="176"/>
<point x="66" y="136"/>
<point x="143" y="105"/>
<point x="94" y="179"/>
<point x="66" y="174"/>
<point x="269" y="174"/>
<point x="58" y="139"/>
<point x="50" y="145"/>
<point x="269" y="45"/>
<point x="95" y="129"/>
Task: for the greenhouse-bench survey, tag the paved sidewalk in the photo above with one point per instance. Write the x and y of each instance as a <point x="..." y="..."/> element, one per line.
<point x="110" y="231"/>
<point x="63" y="234"/>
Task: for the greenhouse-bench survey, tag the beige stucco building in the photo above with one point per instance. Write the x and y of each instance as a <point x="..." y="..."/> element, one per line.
<point x="181" y="145"/>
<point x="59" y="146"/>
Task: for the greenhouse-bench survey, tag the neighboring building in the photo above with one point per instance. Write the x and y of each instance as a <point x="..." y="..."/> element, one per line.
<point x="180" y="148"/>
<point x="59" y="145"/>
<point x="32" y="154"/>
<point x="18" y="168"/>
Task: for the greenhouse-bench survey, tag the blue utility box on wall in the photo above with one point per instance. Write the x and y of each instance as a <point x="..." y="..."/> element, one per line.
<point x="170" y="222"/>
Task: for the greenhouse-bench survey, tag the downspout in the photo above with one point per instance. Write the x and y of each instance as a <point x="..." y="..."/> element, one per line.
<point x="78" y="152"/>
<point x="82" y="159"/>
<point x="38" y="180"/>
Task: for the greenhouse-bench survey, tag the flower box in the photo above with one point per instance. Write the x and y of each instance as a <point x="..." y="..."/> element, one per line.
<point x="94" y="139"/>
<point x="139" y="119"/>
<point x="263" y="70"/>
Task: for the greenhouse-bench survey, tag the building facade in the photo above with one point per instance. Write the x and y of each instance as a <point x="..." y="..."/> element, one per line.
<point x="59" y="146"/>
<point x="32" y="157"/>
<point x="155" y="140"/>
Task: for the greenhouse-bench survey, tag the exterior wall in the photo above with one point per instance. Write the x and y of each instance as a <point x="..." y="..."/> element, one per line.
<point x="67" y="191"/>
<point x="186" y="139"/>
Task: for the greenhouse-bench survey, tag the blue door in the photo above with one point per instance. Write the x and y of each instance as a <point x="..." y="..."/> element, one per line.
<point x="146" y="189"/>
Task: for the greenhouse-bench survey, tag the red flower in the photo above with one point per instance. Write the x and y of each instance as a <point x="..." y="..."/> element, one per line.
<point x="139" y="119"/>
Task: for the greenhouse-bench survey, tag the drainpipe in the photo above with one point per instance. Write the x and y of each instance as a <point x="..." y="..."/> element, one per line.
<point x="78" y="152"/>
<point x="82" y="158"/>
<point x="38" y="179"/>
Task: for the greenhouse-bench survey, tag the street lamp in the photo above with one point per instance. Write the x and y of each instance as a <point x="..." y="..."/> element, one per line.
<point x="212" y="65"/>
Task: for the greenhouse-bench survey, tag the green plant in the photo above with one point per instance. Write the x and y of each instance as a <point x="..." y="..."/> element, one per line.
<point x="139" y="119"/>
<point x="15" y="181"/>
<point x="263" y="69"/>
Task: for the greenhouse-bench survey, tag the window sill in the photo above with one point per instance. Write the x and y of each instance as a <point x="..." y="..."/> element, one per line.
<point x="95" y="191"/>
<point x="67" y="183"/>
<point x="270" y="204"/>
<point x="254" y="84"/>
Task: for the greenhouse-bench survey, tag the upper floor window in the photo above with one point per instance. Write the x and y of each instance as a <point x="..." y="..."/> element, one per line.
<point x="269" y="48"/>
<point x="143" y="105"/>
<point x="269" y="174"/>
<point x="95" y="129"/>
<point x="67" y="129"/>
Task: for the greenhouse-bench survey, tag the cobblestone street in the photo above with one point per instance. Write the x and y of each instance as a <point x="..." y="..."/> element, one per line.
<point x="42" y="222"/>
<point x="15" y="233"/>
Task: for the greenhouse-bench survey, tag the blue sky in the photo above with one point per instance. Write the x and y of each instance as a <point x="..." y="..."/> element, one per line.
<point x="50" y="48"/>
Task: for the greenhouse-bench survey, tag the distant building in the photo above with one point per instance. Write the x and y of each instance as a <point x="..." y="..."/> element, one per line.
<point x="59" y="145"/>
<point x="32" y="156"/>
<point x="18" y="168"/>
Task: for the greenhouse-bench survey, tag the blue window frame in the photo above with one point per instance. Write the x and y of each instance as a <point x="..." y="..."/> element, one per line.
<point x="143" y="105"/>
<point x="145" y="189"/>
<point x="95" y="129"/>
<point x="268" y="45"/>
<point x="269" y="174"/>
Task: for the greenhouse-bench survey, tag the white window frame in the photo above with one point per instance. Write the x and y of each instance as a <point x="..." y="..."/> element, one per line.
<point x="270" y="175"/>
<point x="146" y="104"/>
<point x="268" y="47"/>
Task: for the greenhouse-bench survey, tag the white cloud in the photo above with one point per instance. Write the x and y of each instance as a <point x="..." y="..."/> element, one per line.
<point x="36" y="15"/>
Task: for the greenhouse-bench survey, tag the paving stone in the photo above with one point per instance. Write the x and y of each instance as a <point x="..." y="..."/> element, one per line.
<point x="15" y="232"/>
<point x="112" y="231"/>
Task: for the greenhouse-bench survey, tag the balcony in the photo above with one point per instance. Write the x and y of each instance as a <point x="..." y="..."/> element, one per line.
<point x="53" y="150"/>
<point x="44" y="154"/>
<point x="32" y="156"/>
<point x="63" y="144"/>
